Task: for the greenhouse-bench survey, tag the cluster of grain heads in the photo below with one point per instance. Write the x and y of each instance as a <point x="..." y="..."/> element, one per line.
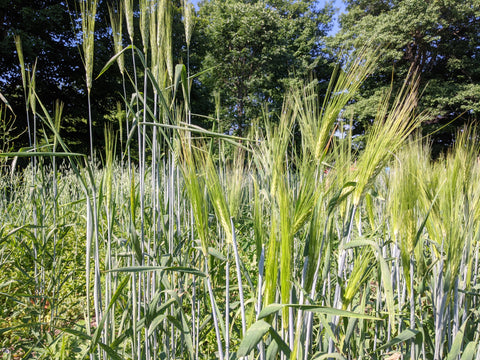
<point x="393" y="124"/>
<point x="298" y="220"/>
<point x="116" y="22"/>
<point x="317" y="120"/>
<point x="452" y="227"/>
<point x="88" y="12"/>
<point x="408" y="216"/>
<point x="435" y="232"/>
<point x="158" y="217"/>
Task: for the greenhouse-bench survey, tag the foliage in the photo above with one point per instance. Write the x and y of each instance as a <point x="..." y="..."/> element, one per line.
<point x="42" y="287"/>
<point x="50" y="38"/>
<point x="256" y="50"/>
<point x="209" y="245"/>
<point x="323" y="265"/>
<point x="436" y="38"/>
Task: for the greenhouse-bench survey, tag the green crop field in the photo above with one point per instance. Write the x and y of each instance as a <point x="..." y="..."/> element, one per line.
<point x="287" y="242"/>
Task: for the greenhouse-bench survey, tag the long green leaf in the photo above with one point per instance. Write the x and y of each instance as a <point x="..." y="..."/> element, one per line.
<point x="269" y="310"/>
<point x="138" y="269"/>
<point x="113" y="59"/>
<point x="40" y="154"/>
<point x="404" y="336"/>
<point x="456" y="348"/>
<point x="273" y="308"/>
<point x="281" y="344"/>
<point x="328" y="356"/>
<point x="98" y="331"/>
<point x="111" y="353"/>
<point x="469" y="351"/>
<point x="252" y="337"/>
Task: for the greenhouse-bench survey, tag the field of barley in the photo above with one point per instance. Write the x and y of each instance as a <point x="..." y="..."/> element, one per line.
<point x="289" y="242"/>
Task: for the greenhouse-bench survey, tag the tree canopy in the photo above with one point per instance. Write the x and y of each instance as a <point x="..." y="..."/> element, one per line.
<point x="49" y="33"/>
<point x="255" y="49"/>
<point x="247" y="53"/>
<point x="438" y="38"/>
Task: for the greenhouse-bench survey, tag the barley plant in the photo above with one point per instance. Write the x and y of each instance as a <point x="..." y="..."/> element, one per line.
<point x="287" y="243"/>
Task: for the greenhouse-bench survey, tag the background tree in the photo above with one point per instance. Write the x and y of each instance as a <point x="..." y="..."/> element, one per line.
<point x="49" y="35"/>
<point x="50" y="32"/>
<point x="253" y="50"/>
<point x="438" y="38"/>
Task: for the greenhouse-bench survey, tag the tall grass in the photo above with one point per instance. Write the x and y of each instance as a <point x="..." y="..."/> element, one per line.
<point x="284" y="244"/>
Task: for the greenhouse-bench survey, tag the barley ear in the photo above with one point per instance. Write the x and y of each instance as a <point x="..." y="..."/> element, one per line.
<point x="116" y="21"/>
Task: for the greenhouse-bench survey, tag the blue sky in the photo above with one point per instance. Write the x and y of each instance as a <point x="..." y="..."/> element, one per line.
<point x="341" y="7"/>
<point x="337" y="3"/>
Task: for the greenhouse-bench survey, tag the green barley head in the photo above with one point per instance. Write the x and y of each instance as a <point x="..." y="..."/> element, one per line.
<point x="144" y="23"/>
<point x="88" y="10"/>
<point x="393" y="125"/>
<point x="129" y="18"/>
<point x="116" y="21"/>
<point x="188" y="20"/>
<point x="164" y="15"/>
<point x="18" y="44"/>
